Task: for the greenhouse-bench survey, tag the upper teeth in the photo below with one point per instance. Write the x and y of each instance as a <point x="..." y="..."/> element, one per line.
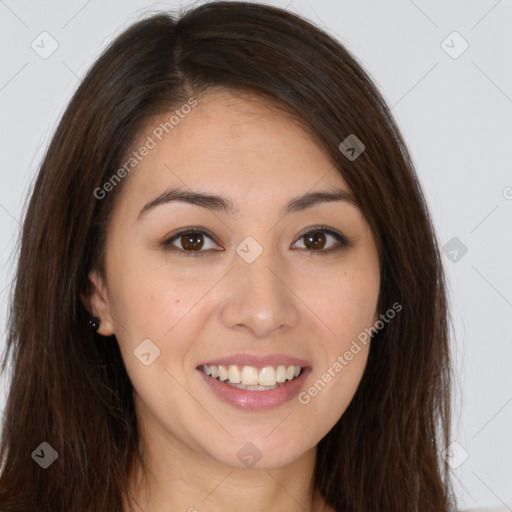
<point x="252" y="376"/>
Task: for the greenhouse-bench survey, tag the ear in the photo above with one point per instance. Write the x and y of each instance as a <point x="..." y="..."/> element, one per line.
<point x="98" y="305"/>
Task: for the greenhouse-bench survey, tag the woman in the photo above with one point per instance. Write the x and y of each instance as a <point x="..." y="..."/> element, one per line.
<point x="229" y="293"/>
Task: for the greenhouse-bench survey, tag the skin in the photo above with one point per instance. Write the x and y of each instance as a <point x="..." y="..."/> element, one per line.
<point x="289" y="300"/>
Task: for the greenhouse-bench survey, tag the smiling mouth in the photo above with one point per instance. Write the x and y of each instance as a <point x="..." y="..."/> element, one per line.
<point x="252" y="378"/>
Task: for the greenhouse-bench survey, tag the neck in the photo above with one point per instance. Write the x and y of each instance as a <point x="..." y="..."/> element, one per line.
<point x="180" y="478"/>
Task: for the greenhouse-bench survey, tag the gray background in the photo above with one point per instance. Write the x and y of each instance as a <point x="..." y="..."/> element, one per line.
<point x="454" y="110"/>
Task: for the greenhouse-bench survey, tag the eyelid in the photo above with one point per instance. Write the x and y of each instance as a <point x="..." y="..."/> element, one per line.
<point x="343" y="241"/>
<point x="192" y="229"/>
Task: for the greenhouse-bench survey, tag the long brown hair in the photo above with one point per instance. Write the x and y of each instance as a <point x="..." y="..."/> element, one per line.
<point x="69" y="385"/>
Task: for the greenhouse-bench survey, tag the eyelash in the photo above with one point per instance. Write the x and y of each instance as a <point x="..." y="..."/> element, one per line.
<point x="343" y="241"/>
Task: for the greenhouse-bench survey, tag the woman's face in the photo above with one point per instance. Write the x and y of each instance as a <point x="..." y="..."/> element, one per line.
<point x="251" y="292"/>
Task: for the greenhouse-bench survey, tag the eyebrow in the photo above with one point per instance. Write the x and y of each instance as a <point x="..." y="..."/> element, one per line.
<point x="222" y="204"/>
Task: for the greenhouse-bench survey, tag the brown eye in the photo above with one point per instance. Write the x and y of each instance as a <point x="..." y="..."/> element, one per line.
<point x="315" y="240"/>
<point x="192" y="241"/>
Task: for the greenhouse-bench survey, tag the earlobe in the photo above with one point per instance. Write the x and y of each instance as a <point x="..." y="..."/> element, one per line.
<point x="98" y="304"/>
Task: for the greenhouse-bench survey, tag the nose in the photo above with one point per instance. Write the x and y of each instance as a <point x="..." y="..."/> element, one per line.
<point x="259" y="297"/>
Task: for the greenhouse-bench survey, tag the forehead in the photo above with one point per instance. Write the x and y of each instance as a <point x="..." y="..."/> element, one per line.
<point x="232" y="142"/>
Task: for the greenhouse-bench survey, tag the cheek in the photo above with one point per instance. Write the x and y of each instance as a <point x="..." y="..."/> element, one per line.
<point x="346" y="306"/>
<point x="150" y="297"/>
<point x="333" y="384"/>
<point x="347" y="310"/>
<point x="149" y="303"/>
<point x="155" y="313"/>
<point x="331" y="387"/>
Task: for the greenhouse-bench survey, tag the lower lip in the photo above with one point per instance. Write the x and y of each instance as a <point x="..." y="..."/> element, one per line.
<point x="257" y="400"/>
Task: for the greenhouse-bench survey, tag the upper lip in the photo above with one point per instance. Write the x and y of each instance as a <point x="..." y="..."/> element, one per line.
<point x="257" y="360"/>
